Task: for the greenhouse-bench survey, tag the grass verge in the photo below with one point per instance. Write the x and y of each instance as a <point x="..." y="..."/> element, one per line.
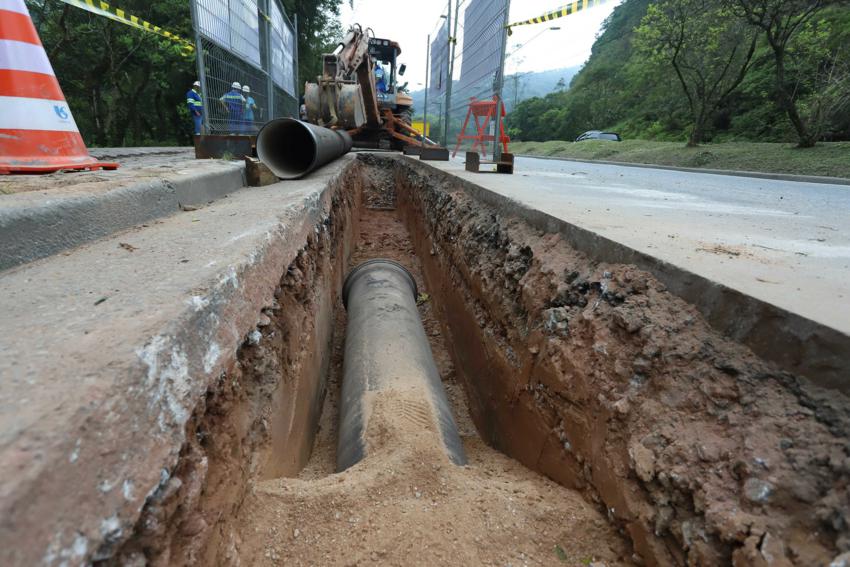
<point x="829" y="159"/>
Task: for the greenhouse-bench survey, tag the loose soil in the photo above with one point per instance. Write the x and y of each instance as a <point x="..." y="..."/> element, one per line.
<point x="406" y="503"/>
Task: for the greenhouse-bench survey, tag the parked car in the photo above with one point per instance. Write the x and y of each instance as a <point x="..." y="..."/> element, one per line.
<point x="599" y="135"/>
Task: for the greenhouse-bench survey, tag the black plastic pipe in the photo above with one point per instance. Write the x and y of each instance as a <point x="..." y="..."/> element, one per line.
<point x="386" y="349"/>
<point x="292" y="148"/>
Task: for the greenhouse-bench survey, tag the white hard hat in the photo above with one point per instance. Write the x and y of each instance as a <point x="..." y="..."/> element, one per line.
<point x="246" y="89"/>
<point x="196" y="84"/>
<point x="236" y="85"/>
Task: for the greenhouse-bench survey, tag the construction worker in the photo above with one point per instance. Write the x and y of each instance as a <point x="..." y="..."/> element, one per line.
<point x="196" y="106"/>
<point x="250" y="107"/>
<point x="234" y="103"/>
<point x="380" y="84"/>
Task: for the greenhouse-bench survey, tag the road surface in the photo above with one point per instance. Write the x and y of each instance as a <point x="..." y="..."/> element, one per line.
<point x="784" y="242"/>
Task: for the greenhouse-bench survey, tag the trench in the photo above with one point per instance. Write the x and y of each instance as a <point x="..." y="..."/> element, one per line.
<point x="603" y="419"/>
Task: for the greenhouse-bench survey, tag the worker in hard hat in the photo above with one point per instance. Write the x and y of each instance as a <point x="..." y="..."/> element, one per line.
<point x="250" y="107"/>
<point x="196" y="107"/>
<point x="234" y="103"/>
<point x="380" y="82"/>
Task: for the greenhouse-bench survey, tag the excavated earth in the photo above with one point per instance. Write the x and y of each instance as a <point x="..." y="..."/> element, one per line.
<point x="604" y="420"/>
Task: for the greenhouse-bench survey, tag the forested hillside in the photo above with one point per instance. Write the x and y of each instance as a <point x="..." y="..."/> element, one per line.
<point x="127" y="87"/>
<point x="631" y="83"/>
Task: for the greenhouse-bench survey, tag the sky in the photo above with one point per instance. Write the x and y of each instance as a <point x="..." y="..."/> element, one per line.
<point x="530" y="48"/>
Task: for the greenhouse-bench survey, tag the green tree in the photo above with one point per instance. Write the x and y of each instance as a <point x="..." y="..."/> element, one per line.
<point x="781" y="21"/>
<point x="318" y="30"/>
<point x="709" y="50"/>
<point x="125" y="86"/>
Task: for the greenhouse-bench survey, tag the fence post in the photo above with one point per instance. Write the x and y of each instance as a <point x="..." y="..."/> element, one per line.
<point x="500" y="82"/>
<point x="451" y="69"/>
<point x="295" y="66"/>
<point x="427" y="66"/>
<point x="269" y="59"/>
<point x="199" y="59"/>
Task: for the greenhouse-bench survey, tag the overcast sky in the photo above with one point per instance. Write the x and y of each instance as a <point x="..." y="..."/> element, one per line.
<point x="534" y="47"/>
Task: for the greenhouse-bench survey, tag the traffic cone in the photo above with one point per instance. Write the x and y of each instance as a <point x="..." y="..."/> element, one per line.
<point x="37" y="131"/>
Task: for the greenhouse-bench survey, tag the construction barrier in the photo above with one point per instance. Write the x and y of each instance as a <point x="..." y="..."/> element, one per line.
<point x="37" y="130"/>
<point x="103" y="9"/>
<point x="483" y="112"/>
<point x="571" y="8"/>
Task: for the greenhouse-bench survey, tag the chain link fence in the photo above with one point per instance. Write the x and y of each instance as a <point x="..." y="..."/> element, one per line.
<point x="252" y="43"/>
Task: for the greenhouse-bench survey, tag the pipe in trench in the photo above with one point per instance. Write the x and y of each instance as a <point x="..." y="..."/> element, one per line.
<point x="292" y="148"/>
<point x="386" y="348"/>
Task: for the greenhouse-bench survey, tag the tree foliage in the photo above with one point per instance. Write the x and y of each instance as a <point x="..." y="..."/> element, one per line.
<point x="318" y="30"/>
<point x="627" y="88"/>
<point x="709" y="50"/>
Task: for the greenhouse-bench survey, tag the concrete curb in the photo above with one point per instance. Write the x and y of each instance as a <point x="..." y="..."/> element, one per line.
<point x="793" y="342"/>
<point x="38" y="229"/>
<point x="729" y="172"/>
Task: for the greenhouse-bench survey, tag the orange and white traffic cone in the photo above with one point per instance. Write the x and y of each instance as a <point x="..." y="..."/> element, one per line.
<point x="37" y="132"/>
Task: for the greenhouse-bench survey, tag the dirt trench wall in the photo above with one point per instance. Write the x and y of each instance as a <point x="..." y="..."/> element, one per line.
<point x="600" y="378"/>
<point x="259" y="419"/>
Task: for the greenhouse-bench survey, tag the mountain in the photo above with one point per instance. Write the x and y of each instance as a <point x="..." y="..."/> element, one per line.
<point x="527" y="85"/>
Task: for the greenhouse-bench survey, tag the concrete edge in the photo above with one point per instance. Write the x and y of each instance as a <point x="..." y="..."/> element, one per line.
<point x="33" y="232"/>
<point x="729" y="172"/>
<point x="175" y="366"/>
<point x="793" y="342"/>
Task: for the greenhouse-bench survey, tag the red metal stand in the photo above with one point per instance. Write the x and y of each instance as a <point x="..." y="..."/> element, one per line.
<point x="482" y="112"/>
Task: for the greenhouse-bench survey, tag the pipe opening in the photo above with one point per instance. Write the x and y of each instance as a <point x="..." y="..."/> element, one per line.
<point x="287" y="147"/>
<point x="369" y="266"/>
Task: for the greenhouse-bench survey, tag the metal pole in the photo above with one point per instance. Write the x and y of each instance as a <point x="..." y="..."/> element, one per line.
<point x="425" y="112"/>
<point x="199" y="58"/>
<point x="297" y="89"/>
<point x="451" y="70"/>
<point x="270" y="73"/>
<point x="500" y="82"/>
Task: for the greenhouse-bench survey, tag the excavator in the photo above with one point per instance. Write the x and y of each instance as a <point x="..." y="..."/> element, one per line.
<point x="359" y="91"/>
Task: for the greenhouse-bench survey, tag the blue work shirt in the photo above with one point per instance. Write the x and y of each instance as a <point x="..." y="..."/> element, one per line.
<point x="194" y="101"/>
<point x="235" y="103"/>
<point x="249" y="108"/>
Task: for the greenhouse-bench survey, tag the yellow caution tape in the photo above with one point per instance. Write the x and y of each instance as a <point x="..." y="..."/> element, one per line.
<point x="571" y="8"/>
<point x="119" y="15"/>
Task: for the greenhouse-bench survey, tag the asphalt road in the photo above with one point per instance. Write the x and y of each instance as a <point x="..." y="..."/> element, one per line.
<point x="785" y="242"/>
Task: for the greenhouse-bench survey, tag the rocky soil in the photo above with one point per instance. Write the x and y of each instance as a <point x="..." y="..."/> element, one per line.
<point x="598" y="377"/>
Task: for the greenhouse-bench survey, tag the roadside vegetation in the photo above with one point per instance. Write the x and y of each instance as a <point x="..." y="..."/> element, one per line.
<point x="693" y="71"/>
<point x="830" y="159"/>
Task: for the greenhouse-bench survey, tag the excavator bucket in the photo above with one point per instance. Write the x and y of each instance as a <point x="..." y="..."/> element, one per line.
<point x="335" y="104"/>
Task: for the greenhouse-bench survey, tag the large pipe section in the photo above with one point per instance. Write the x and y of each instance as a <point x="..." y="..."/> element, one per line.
<point x="387" y="352"/>
<point x="292" y="148"/>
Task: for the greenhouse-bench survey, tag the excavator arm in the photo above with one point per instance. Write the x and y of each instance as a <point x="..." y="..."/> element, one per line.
<point x="344" y="95"/>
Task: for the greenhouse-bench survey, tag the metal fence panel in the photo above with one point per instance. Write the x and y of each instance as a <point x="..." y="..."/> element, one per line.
<point x="479" y="59"/>
<point x="283" y="49"/>
<point x="250" y="42"/>
<point x="440" y="60"/>
<point x="245" y="30"/>
<point x="480" y="55"/>
<point x="212" y="21"/>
